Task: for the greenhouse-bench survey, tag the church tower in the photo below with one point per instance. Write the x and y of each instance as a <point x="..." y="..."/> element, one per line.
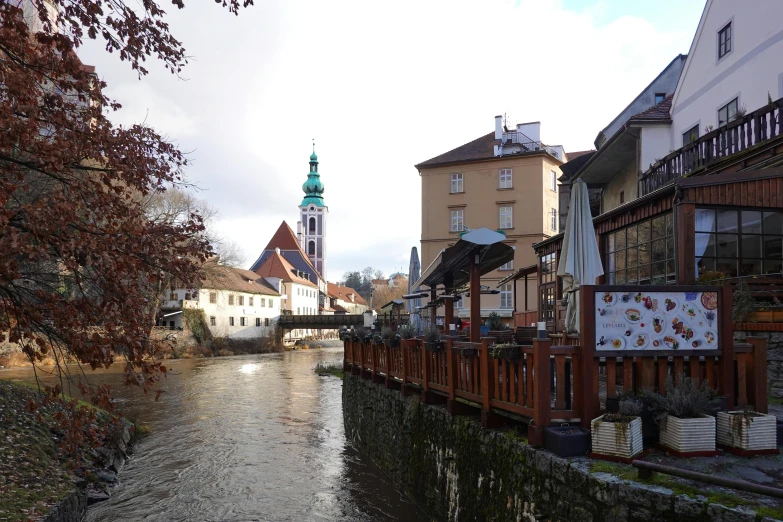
<point x="314" y="214"/>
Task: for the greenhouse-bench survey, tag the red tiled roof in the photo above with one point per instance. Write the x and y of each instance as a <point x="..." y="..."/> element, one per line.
<point x="277" y="266"/>
<point x="284" y="239"/>
<point x="658" y="112"/>
<point x="341" y="292"/>
<point x="221" y="277"/>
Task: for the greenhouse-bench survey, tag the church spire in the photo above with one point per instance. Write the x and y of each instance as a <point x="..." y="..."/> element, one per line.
<point x="313" y="188"/>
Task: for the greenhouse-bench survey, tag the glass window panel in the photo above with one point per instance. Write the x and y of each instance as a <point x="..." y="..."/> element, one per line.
<point x="659" y="269"/>
<point x="751" y="222"/>
<point x="619" y="239"/>
<point x="709" y="250"/>
<point x="703" y="224"/>
<point x="610" y="243"/>
<point x="773" y="222"/>
<point x="631" y="238"/>
<point x="644" y="254"/>
<point x="632" y="258"/>
<point x="727" y="221"/>
<point x="773" y="247"/>
<point x="659" y="250"/>
<point x="750" y="266"/>
<point x="670" y="247"/>
<point x="727" y="245"/>
<point x="729" y="266"/>
<point x="644" y="274"/>
<point x="669" y="225"/>
<point x="669" y="268"/>
<point x="631" y="275"/>
<point x="705" y="265"/>
<point x="620" y="277"/>
<point x="620" y="259"/>
<point x="751" y="246"/>
<point x="643" y="233"/>
<point x="773" y="266"/>
<point x="658" y="227"/>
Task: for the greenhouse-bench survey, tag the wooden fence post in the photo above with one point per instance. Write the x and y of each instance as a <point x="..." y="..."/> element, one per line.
<point x="405" y="352"/>
<point x="489" y="419"/>
<point x="758" y="374"/>
<point x="541" y="392"/>
<point x="425" y="372"/>
<point x="727" y="341"/>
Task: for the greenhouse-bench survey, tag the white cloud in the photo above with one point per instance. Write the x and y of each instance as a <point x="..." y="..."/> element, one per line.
<point x="380" y="87"/>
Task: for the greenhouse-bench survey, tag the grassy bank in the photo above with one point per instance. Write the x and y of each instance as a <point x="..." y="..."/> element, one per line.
<point x="335" y="370"/>
<point x="35" y="472"/>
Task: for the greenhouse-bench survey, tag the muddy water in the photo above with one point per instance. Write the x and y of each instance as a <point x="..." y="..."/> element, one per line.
<point x="246" y="438"/>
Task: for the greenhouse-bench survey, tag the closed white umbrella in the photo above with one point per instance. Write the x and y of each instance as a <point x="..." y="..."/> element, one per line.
<point x="580" y="262"/>
<point x="413" y="275"/>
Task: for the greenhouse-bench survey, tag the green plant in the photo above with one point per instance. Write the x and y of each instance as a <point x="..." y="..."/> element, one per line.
<point x="497" y="348"/>
<point x="407" y="331"/>
<point x="360" y="332"/>
<point x="743" y="302"/>
<point x="387" y="333"/>
<point x="707" y="129"/>
<point x="690" y="399"/>
<point x="196" y="322"/>
<point x="335" y="370"/>
<point x="494" y="322"/>
<point x="711" y="276"/>
<point x="431" y="334"/>
<point x="739" y="420"/>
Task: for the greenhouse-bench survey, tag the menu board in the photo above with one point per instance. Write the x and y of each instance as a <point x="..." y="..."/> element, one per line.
<point x="656" y="321"/>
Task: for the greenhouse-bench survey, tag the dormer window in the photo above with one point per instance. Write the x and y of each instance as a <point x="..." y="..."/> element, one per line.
<point x="659" y="97"/>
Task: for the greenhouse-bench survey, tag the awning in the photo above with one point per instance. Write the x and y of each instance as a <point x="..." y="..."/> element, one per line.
<point x="393" y="303"/>
<point x="522" y="272"/>
<point x="455" y="260"/>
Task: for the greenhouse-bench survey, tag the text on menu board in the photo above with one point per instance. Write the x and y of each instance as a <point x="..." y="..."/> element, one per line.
<point x="656" y="320"/>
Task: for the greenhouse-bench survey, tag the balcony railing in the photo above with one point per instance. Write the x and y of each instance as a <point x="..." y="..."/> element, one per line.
<point x="741" y="134"/>
<point x="519" y="138"/>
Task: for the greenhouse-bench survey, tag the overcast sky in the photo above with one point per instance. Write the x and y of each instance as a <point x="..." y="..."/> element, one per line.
<point x="381" y="87"/>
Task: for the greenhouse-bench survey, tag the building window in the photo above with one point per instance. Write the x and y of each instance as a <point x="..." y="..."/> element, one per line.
<point x="724" y="41"/>
<point x="266" y="321"/>
<point x="311" y="248"/>
<point x="242" y="321"/>
<point x="504" y="178"/>
<point x="258" y="321"/>
<point x="311" y="225"/>
<point x="727" y="113"/>
<point x="263" y="302"/>
<point x="230" y="299"/>
<point x="231" y="321"/>
<point x="241" y="300"/>
<point x="212" y="320"/>
<point x="506" y="217"/>
<point x="173" y="296"/>
<point x="553" y="187"/>
<point x="690" y="135"/>
<point x="298" y="291"/>
<point x="213" y="297"/>
<point x="507" y="266"/>
<point x="659" y="97"/>
<point x="506" y="297"/>
<point x="553" y="224"/>
<point x="547" y="287"/>
<point x="456" y="183"/>
<point x="298" y="310"/>
<point x="457" y="221"/>
<point x="642" y="254"/>
<point x="739" y="243"/>
<point x="250" y="301"/>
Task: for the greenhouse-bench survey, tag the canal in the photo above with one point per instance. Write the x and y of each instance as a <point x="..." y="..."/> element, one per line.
<point x="245" y="438"/>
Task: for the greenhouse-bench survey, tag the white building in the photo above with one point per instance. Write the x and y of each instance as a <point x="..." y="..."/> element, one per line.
<point x="237" y="304"/>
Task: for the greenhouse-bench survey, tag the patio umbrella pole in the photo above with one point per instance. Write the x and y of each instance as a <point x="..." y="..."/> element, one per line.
<point x="433" y="308"/>
<point x="475" y="299"/>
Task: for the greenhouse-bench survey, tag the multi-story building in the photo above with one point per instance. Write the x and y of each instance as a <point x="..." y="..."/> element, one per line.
<point x="346" y="300"/>
<point x="505" y="180"/>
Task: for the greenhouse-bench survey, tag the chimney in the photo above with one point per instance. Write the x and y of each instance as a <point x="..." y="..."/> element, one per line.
<point x="299" y="233"/>
<point x="498" y="127"/>
<point x="277" y="250"/>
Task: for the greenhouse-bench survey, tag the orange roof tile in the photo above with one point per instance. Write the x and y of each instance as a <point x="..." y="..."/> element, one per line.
<point x="285" y="239"/>
<point x="341" y="292"/>
<point x="277" y="266"/>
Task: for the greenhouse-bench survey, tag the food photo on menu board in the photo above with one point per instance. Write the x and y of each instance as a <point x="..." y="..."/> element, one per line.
<point x="656" y="320"/>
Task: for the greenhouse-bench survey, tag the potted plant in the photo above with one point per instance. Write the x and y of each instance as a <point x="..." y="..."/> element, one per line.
<point x="408" y="333"/>
<point x="494" y="322"/>
<point x="376" y="339"/>
<point x="390" y="339"/>
<point x="432" y="340"/>
<point x="683" y="417"/>
<point x="747" y="430"/>
<point x="360" y="334"/>
<point x="567" y="441"/>
<point x="507" y="351"/>
<point x="619" y="434"/>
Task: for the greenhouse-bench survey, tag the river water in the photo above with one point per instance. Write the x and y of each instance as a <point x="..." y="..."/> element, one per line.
<point x="242" y="439"/>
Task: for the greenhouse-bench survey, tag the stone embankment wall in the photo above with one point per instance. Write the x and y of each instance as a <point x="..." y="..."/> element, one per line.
<point x="457" y="471"/>
<point x="774" y="356"/>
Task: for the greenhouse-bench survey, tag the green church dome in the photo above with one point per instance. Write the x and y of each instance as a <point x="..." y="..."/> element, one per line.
<point x="313" y="188"/>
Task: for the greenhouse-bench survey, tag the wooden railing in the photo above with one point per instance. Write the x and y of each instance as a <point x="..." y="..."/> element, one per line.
<point x="741" y="134"/>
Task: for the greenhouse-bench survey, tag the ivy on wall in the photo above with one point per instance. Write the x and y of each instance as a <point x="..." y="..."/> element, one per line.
<point x="196" y="321"/>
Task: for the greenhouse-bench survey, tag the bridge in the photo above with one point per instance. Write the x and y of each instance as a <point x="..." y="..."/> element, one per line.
<point x="287" y="323"/>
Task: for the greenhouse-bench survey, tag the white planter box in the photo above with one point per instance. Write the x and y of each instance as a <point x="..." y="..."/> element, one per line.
<point x="605" y="438"/>
<point x="688" y="435"/>
<point x="757" y="433"/>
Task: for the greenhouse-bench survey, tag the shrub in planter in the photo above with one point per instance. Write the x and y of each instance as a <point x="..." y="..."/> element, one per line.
<point x="494" y="322"/>
<point x="683" y="416"/>
<point x="360" y="334"/>
<point x="748" y="430"/>
<point x="507" y="351"/>
<point x="432" y="341"/>
<point x="567" y="441"/>
<point x="376" y="339"/>
<point x="390" y="339"/>
<point x="408" y="333"/>
<point x="618" y="434"/>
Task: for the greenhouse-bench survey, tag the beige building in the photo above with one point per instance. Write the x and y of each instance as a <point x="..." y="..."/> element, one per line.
<point x="506" y="181"/>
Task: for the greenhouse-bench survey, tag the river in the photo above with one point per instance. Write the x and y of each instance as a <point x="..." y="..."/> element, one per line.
<point x="243" y="438"/>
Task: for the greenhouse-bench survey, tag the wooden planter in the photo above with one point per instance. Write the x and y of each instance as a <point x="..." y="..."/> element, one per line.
<point x="410" y="343"/>
<point x="610" y="444"/>
<point x="567" y="441"/>
<point x="689" y="437"/>
<point x="434" y="347"/>
<point x="754" y="435"/>
<point x="392" y="343"/>
<point x="510" y="354"/>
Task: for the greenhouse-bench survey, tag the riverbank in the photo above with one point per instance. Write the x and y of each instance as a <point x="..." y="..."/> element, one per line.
<point x="39" y="478"/>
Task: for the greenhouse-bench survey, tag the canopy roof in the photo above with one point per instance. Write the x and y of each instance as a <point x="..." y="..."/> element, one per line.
<point x="522" y="272"/>
<point x="455" y="260"/>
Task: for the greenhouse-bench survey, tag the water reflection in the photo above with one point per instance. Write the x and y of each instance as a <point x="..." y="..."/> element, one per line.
<point x="246" y="438"/>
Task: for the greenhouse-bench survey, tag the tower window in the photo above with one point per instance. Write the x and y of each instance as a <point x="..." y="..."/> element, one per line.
<point x="311" y="225"/>
<point x="311" y="248"/>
